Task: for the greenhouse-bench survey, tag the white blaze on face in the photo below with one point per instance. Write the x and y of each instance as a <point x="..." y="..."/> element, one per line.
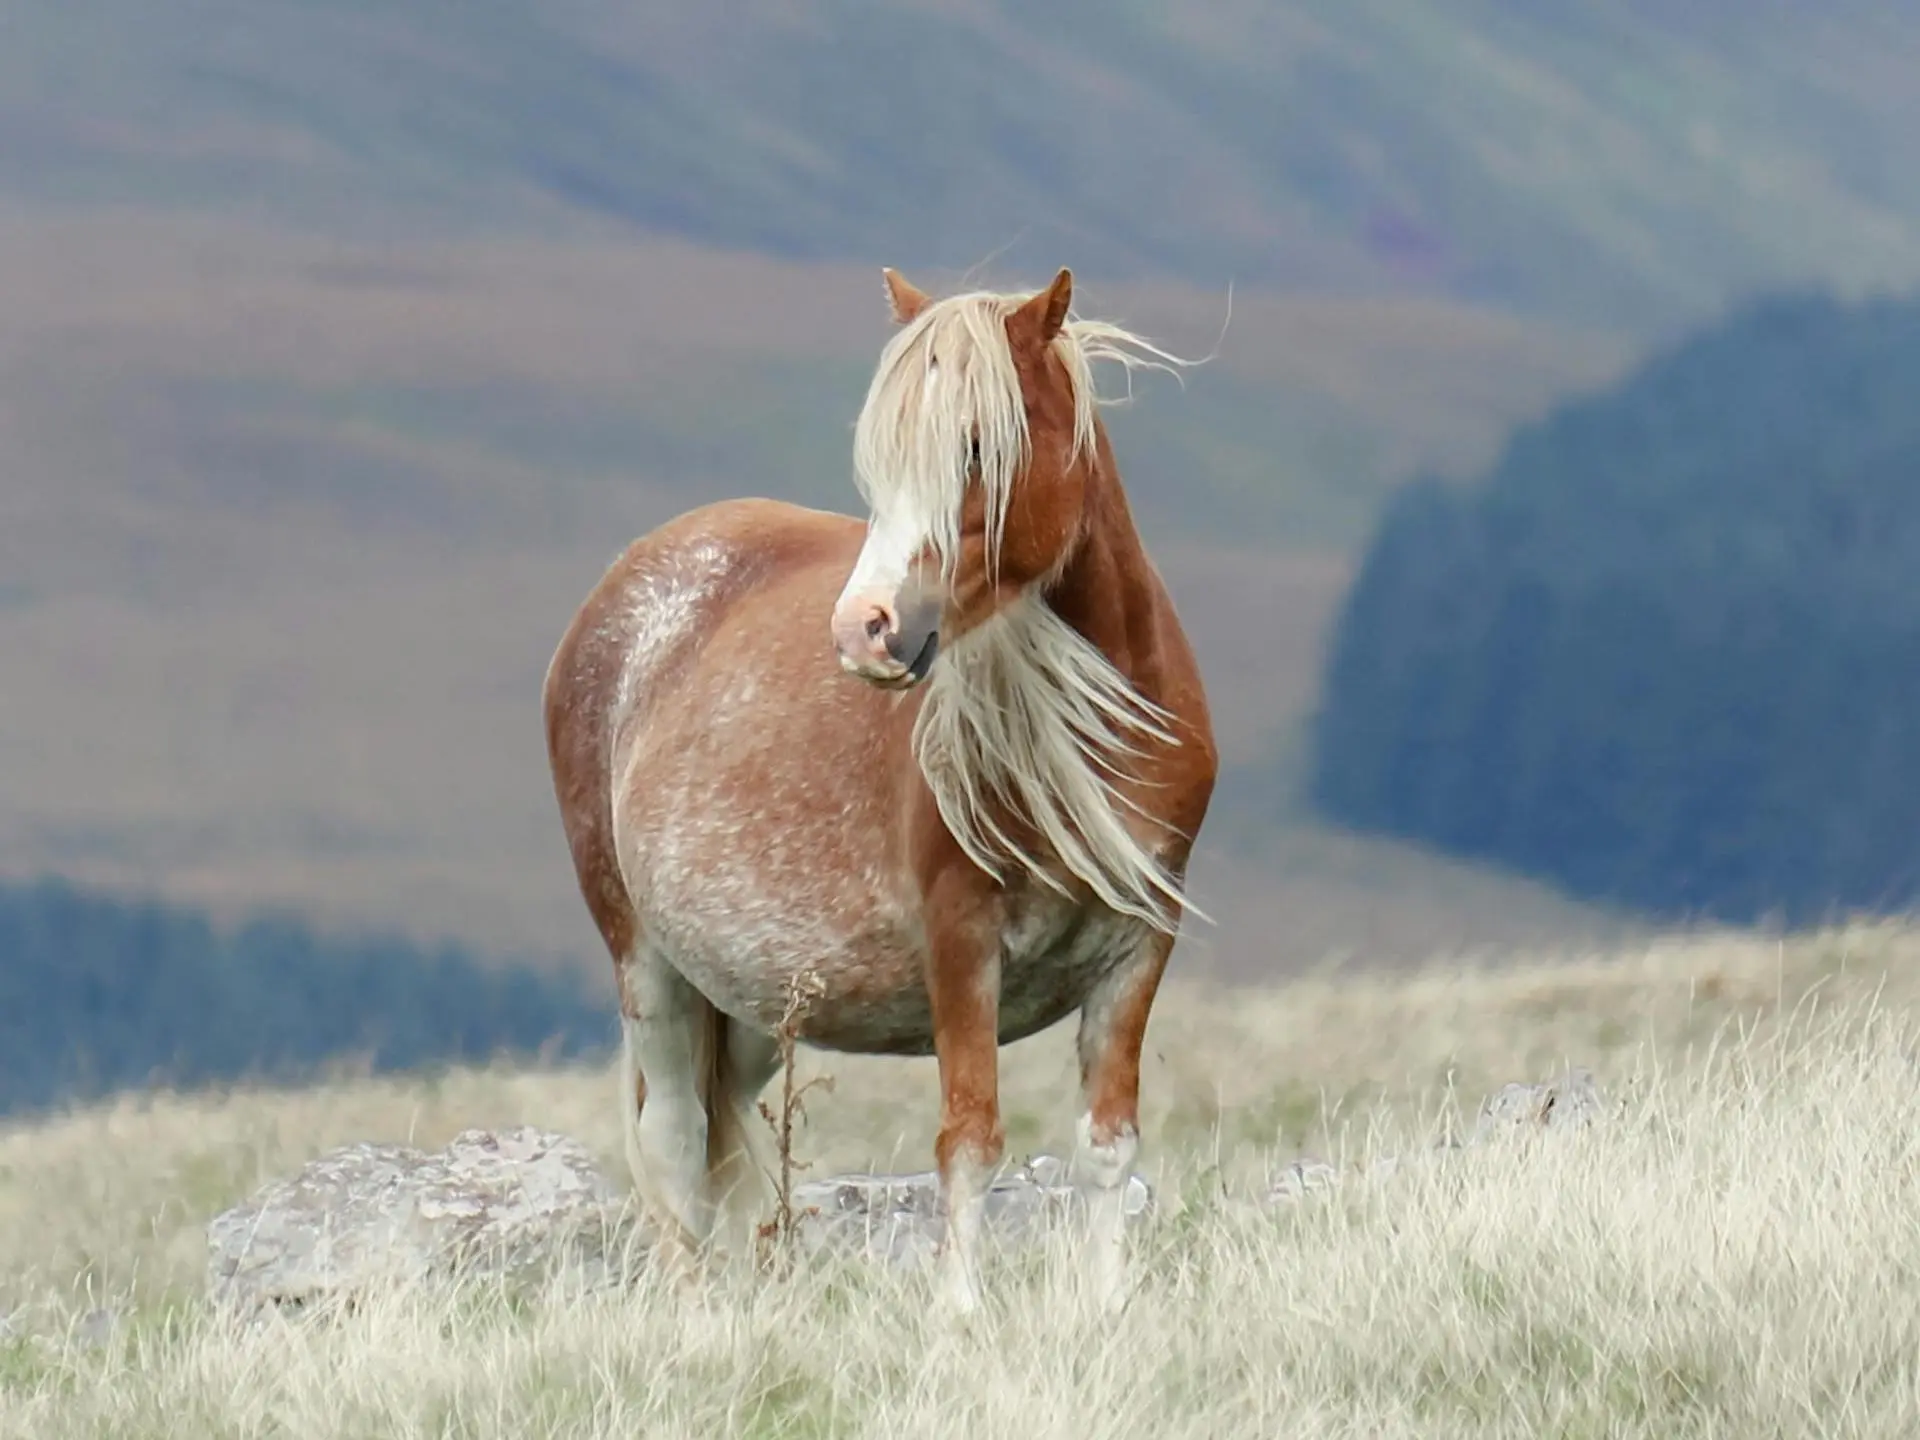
<point x="895" y="539"/>
<point x="885" y="561"/>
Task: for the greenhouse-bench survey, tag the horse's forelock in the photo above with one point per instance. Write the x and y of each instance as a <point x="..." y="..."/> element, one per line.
<point x="951" y="370"/>
<point x="944" y="375"/>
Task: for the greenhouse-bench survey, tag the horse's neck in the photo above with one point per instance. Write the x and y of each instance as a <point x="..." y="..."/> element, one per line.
<point x="1104" y="591"/>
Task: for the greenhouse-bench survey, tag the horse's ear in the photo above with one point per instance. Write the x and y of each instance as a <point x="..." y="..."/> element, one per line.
<point x="905" y="300"/>
<point x="1040" y="318"/>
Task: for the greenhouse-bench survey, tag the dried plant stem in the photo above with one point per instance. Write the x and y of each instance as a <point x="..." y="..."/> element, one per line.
<point x="776" y="1236"/>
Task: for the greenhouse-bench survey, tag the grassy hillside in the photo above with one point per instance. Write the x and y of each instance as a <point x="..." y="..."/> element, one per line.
<point x="1586" y="162"/>
<point x="1728" y="1252"/>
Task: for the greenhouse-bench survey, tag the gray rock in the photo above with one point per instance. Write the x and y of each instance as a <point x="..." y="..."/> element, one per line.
<point x="1513" y="1112"/>
<point x="519" y="1201"/>
<point x="490" y="1203"/>
<point x="1564" y="1102"/>
<point x="1302" y="1177"/>
<point x="526" y="1201"/>
<point x="97" y="1329"/>
<point x="897" y="1218"/>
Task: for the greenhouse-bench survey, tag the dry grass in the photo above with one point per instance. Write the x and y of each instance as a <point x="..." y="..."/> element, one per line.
<point x="1734" y="1251"/>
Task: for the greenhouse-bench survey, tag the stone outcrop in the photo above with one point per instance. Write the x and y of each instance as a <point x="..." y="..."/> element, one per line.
<point x="896" y="1218"/>
<point x="525" y="1201"/>
<point x="490" y="1202"/>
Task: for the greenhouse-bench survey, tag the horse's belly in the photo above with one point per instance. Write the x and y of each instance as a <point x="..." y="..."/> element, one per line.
<point x="1053" y="955"/>
<point x="760" y="847"/>
<point x="757" y="938"/>
<point x="764" y="936"/>
<point x="768" y="869"/>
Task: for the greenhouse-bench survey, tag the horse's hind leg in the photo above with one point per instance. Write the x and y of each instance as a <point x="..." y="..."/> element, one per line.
<point x="664" y="1114"/>
<point x="1113" y="1028"/>
<point x="695" y="1141"/>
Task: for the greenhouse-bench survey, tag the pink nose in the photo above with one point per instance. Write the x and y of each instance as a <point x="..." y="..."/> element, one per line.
<point x="862" y="628"/>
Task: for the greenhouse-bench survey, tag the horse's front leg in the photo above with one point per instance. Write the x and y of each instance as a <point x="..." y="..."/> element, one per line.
<point x="1113" y="1027"/>
<point x="963" y="985"/>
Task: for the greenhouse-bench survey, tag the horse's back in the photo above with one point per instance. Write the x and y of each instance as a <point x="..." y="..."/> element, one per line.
<point x="665" y="590"/>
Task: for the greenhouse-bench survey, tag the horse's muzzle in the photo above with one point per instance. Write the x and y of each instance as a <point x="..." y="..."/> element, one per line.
<point x="923" y="659"/>
<point x="887" y="646"/>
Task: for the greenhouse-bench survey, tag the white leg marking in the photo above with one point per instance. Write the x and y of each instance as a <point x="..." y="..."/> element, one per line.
<point x="958" y="1277"/>
<point x="1106" y="1169"/>
<point x="669" y="1149"/>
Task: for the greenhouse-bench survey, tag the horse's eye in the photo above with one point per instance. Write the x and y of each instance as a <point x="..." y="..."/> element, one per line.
<point x="973" y="452"/>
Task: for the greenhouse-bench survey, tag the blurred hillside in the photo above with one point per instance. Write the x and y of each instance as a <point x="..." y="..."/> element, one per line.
<point x="343" y="344"/>
<point x="1664" y="654"/>
<point x="101" y="995"/>
<point x="1589" y="162"/>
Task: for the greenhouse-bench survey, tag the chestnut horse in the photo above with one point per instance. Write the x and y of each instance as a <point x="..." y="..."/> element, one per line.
<point x="966" y="816"/>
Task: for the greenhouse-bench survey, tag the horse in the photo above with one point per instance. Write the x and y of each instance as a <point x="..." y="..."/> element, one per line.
<point x="938" y="774"/>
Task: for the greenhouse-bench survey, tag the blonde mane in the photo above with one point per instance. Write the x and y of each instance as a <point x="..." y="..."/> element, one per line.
<point x="949" y="373"/>
<point x="1024" y="712"/>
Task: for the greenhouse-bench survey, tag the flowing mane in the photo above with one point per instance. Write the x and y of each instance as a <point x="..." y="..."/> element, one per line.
<point x="1023" y="716"/>
<point x="1025" y="713"/>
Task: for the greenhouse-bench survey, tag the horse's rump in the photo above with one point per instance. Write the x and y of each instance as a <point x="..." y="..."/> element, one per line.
<point x="737" y="796"/>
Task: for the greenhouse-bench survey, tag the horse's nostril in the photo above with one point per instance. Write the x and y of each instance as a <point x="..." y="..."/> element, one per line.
<point x="876" y="625"/>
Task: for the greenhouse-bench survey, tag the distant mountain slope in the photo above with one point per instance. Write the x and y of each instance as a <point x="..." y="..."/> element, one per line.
<point x="1667" y="653"/>
<point x="1595" y="163"/>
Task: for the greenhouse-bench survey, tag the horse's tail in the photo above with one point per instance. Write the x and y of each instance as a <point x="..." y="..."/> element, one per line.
<point x="741" y="1165"/>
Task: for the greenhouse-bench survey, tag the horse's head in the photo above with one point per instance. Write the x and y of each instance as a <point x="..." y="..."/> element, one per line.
<point x="974" y="451"/>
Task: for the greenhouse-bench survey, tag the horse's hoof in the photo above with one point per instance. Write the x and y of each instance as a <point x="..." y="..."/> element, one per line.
<point x="1112" y="1288"/>
<point x="957" y="1288"/>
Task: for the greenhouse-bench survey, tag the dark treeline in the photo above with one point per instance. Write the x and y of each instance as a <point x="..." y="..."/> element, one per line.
<point x="1668" y="653"/>
<point x="99" y="994"/>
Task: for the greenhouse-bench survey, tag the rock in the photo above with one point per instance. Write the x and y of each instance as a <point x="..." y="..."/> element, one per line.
<point x="896" y="1218"/>
<point x="1513" y="1111"/>
<point x="98" y="1328"/>
<point x="523" y="1201"/>
<point x="490" y="1203"/>
<point x="520" y="1200"/>
<point x="1569" y="1100"/>
<point x="1302" y="1177"/>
